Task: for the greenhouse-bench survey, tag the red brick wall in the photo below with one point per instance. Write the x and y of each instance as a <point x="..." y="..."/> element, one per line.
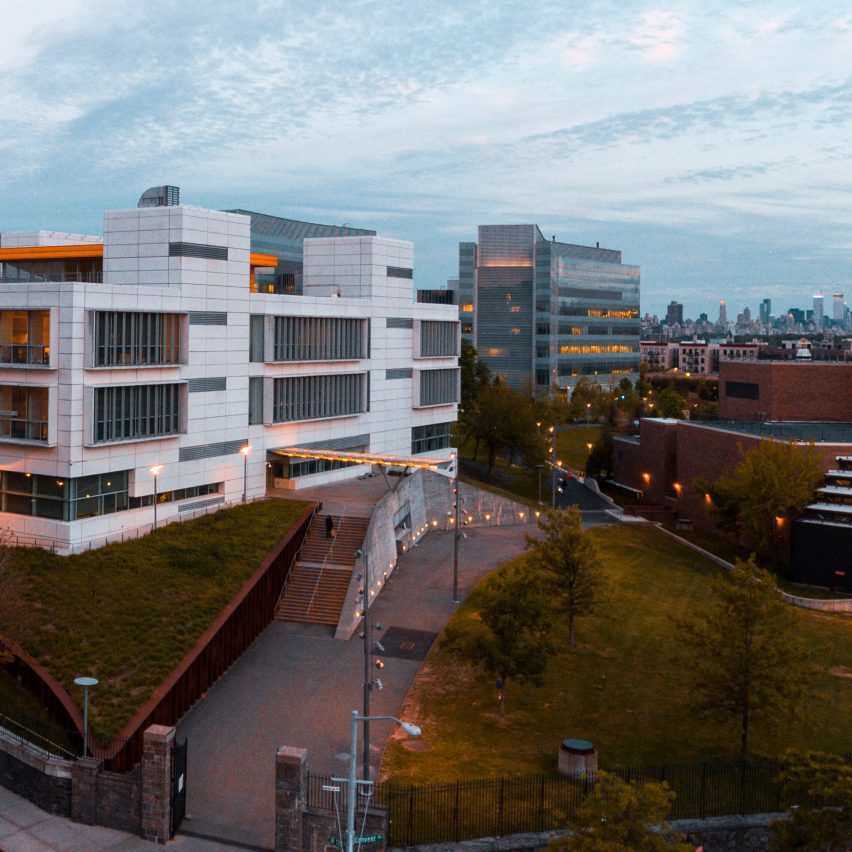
<point x="705" y="452"/>
<point x="655" y="456"/>
<point x="788" y="390"/>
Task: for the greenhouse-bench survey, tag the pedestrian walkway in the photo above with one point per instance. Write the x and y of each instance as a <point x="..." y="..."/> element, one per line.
<point x="297" y="686"/>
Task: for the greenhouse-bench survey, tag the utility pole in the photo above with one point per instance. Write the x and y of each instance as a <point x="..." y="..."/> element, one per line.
<point x="456" y="532"/>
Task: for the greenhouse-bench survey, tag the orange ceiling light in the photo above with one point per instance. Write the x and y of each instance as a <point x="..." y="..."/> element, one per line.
<point x="52" y="252"/>
<point x="258" y="258"/>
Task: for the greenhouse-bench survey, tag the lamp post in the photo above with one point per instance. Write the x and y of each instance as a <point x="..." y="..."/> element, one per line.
<point x="245" y="453"/>
<point x="368" y="652"/>
<point x="352" y="781"/>
<point x="155" y="472"/>
<point x="457" y="504"/>
<point x="86" y="682"/>
<point x="540" y="468"/>
<point x="588" y="413"/>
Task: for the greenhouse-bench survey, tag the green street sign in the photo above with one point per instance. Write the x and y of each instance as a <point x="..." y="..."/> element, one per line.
<point x="364" y="838"/>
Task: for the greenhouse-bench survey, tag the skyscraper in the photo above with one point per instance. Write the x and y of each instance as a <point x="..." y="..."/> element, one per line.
<point x="674" y="313"/>
<point x="540" y="311"/>
<point x="723" y="313"/>
<point x="819" y="306"/>
<point x="765" y="311"/>
<point x="839" y="312"/>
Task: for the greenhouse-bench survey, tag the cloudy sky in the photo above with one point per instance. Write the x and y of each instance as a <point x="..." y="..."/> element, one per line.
<point x="709" y="141"/>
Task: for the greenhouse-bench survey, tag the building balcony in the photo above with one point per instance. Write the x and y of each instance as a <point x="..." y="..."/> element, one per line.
<point x="24" y="355"/>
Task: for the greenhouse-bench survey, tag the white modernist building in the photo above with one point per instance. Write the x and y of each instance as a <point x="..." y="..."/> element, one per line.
<point x="143" y="375"/>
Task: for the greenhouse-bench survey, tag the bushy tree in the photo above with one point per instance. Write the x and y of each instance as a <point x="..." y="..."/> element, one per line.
<point x="670" y="404"/>
<point x="618" y="815"/>
<point x="565" y="553"/>
<point x="512" y="638"/>
<point x="817" y="794"/>
<point x="770" y="487"/>
<point x="742" y="653"/>
<point x="600" y="461"/>
<point x="475" y="374"/>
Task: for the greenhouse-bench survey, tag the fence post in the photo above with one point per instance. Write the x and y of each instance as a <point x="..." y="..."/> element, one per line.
<point x="290" y="795"/>
<point x="703" y="807"/>
<point x="541" y="805"/>
<point x="500" y="810"/>
<point x="456" y="815"/>
<point x="410" y="815"/>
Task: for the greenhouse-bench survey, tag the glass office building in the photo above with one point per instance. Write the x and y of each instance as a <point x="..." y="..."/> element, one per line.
<point x="541" y="312"/>
<point x="285" y="238"/>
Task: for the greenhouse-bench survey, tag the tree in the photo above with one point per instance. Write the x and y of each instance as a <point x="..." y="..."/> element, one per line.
<point x="600" y="461"/>
<point x="770" y="487"/>
<point x="566" y="554"/>
<point x="621" y="815"/>
<point x="817" y="794"/>
<point x="585" y="398"/>
<point x="475" y="374"/>
<point x="502" y="419"/>
<point x="512" y="638"/>
<point x="743" y="655"/>
<point x="670" y="404"/>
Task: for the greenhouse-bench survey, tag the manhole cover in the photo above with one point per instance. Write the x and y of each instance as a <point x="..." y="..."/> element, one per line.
<point x="406" y="644"/>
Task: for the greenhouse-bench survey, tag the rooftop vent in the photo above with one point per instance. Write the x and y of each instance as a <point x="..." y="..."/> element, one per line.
<point x="160" y="196"/>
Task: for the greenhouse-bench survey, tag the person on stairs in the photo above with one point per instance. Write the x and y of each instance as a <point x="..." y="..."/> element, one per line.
<point x="329" y="526"/>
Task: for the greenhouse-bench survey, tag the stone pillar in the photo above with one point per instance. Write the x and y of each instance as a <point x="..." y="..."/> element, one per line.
<point x="84" y="792"/>
<point x="157" y="783"/>
<point x="291" y="766"/>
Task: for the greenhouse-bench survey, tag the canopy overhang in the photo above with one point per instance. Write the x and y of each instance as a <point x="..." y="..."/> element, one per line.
<point x="381" y="459"/>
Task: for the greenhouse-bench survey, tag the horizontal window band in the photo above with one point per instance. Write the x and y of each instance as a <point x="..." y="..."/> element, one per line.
<point x="399" y="373"/>
<point x="400" y="272"/>
<point x="208" y="318"/>
<point x="198" y="250"/>
<point x="209" y="451"/>
<point x="217" y="383"/>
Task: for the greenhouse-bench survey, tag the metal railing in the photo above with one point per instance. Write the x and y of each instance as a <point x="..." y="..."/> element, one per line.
<point x="31" y="354"/>
<point x="325" y="561"/>
<point x="57" y="278"/>
<point x="23" y="430"/>
<point x="466" y="810"/>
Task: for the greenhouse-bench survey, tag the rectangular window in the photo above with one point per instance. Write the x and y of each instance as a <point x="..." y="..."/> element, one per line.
<point x="198" y="250"/>
<point x="129" y="339"/>
<point x="429" y="438"/>
<point x="400" y="272"/>
<point x="255" y="416"/>
<point x="131" y="412"/>
<point x="23" y="413"/>
<point x="438" y="338"/>
<point x="742" y="390"/>
<point x="256" y="341"/>
<point x="319" y="339"/>
<point x="25" y="337"/>
<point x="439" y="387"/>
<point x="318" y="397"/>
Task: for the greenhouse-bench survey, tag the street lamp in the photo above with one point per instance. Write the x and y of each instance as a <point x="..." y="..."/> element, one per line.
<point x="368" y="654"/>
<point x="155" y="472"/>
<point x="245" y="453"/>
<point x="456" y="532"/>
<point x="86" y="682"/>
<point x="411" y="730"/>
<point x="588" y="412"/>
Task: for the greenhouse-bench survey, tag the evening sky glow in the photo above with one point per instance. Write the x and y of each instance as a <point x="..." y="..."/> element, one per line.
<point x="709" y="142"/>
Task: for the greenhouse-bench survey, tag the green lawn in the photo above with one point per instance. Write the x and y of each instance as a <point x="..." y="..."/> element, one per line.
<point x="128" y="613"/>
<point x="572" y="444"/>
<point x="618" y="688"/>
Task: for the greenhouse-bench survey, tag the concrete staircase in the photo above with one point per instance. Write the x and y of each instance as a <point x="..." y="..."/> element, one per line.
<point x="318" y="582"/>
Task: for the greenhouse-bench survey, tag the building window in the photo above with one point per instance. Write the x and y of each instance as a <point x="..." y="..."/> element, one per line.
<point x="175" y="495"/>
<point x="427" y="439"/>
<point x="256" y="338"/>
<point x="129" y="339"/>
<point x="255" y="416"/>
<point x="25" y="337"/>
<point x="23" y="413"/>
<point x="318" y="397"/>
<point x="438" y="339"/>
<point x="742" y="390"/>
<point x="132" y="412"/>
<point x="439" y="387"/>
<point x="295" y="468"/>
<point x="319" y="339"/>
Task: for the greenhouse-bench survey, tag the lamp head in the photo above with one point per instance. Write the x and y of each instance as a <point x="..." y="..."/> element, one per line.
<point x="411" y="730"/>
<point x="246" y="449"/>
<point x="155" y="469"/>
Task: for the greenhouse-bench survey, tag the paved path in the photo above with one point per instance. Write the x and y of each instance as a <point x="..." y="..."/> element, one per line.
<point x="297" y="686"/>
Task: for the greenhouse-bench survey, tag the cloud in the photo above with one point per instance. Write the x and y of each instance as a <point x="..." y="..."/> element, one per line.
<point x="659" y="36"/>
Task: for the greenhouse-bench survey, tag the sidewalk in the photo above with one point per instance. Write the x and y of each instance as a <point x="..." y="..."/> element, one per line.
<point x="297" y="686"/>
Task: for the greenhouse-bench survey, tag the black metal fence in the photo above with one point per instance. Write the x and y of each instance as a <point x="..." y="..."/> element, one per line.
<point x="466" y="810"/>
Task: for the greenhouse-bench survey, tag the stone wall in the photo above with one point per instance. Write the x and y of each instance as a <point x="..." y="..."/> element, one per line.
<point x="300" y="828"/>
<point x="136" y="801"/>
<point x="31" y="773"/>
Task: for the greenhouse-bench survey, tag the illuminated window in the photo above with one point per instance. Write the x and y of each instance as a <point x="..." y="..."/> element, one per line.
<point x="467" y="307"/>
<point x="515" y="330"/>
<point x="515" y="309"/>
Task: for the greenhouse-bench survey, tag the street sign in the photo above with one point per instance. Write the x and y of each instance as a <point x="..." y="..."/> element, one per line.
<point x="364" y="838"/>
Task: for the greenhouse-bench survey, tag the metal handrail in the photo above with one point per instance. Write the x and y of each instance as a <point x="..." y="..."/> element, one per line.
<point x="325" y="561"/>
<point x="296" y="557"/>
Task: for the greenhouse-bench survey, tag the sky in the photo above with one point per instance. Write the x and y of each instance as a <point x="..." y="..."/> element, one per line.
<point x="709" y="141"/>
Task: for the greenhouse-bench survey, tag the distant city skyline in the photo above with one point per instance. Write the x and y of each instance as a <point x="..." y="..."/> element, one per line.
<point x="707" y="143"/>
